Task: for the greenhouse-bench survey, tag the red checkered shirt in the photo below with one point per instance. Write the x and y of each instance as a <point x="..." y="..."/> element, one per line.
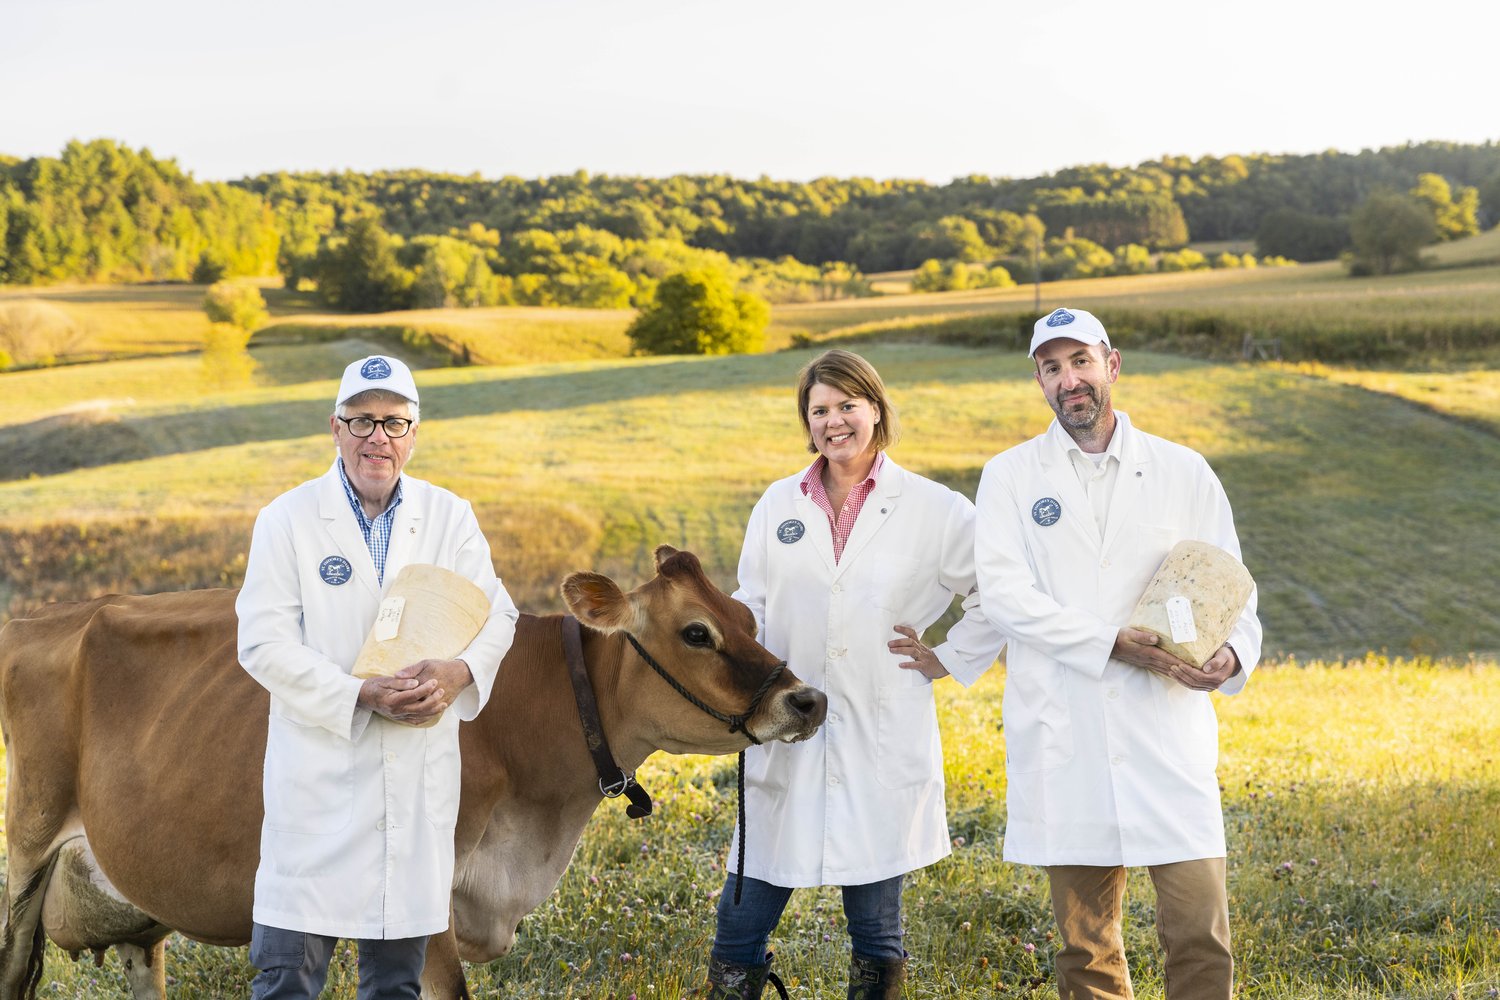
<point x="842" y="522"/>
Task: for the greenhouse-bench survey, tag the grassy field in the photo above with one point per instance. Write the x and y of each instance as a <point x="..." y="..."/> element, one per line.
<point x="141" y="320"/>
<point x="1447" y="312"/>
<point x="1361" y="801"/>
<point x="505" y="335"/>
<point x="1361" y="791"/>
<point x="1367" y="520"/>
<point x="1471" y="394"/>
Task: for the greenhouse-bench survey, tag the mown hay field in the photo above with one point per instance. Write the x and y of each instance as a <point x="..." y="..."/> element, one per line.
<point x="1366" y="519"/>
<point x="1450" y="313"/>
<point x="1446" y="313"/>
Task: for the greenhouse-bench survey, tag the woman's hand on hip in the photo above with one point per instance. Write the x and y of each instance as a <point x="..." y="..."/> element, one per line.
<point x="922" y="658"/>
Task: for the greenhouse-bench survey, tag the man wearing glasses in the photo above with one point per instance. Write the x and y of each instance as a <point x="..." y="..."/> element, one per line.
<point x="360" y="802"/>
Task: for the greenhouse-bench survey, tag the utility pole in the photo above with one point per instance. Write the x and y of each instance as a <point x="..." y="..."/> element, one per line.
<point x="1036" y="271"/>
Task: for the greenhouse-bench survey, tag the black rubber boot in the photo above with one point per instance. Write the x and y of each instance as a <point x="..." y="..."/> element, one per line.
<point x="876" y="978"/>
<point x="727" y="981"/>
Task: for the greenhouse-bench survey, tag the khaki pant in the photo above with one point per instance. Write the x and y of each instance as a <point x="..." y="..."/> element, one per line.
<point x="1192" y="922"/>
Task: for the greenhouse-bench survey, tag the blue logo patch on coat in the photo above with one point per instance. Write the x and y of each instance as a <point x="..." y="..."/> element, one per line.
<point x="790" y="530"/>
<point x="1046" y="511"/>
<point x="335" y="571"/>
<point x="378" y="368"/>
<point x="1060" y="317"/>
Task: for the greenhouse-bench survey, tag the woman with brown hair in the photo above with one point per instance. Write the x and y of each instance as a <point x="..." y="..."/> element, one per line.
<point x="845" y="564"/>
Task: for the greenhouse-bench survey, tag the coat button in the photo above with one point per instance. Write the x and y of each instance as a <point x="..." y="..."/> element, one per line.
<point x="380" y="824"/>
<point x="390" y="758"/>
<point x="838" y="588"/>
<point x="1112" y="694"/>
<point x="1117" y="760"/>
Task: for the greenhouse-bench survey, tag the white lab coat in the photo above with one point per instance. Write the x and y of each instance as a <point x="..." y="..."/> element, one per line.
<point x="1106" y="763"/>
<point x="862" y="800"/>
<point x="360" y="811"/>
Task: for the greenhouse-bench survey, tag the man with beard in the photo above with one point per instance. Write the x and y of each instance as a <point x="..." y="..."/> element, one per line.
<point x="1111" y="742"/>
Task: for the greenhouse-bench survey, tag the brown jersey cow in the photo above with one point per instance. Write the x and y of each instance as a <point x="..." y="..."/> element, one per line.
<point x="134" y="746"/>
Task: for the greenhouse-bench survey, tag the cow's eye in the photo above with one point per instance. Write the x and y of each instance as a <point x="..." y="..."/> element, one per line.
<point x="696" y="635"/>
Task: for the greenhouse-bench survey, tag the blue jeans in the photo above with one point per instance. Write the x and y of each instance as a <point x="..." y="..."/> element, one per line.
<point x="294" y="965"/>
<point x="873" y="912"/>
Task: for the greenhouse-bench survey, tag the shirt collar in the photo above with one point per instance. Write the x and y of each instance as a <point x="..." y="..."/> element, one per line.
<point x="1116" y="448"/>
<point x="814" y="473"/>
<point x="353" y="497"/>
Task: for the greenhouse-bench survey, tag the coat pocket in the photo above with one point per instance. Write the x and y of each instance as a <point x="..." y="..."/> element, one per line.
<point x="892" y="582"/>
<point x="1187" y="726"/>
<point x="442" y="775"/>
<point x="309" y="780"/>
<point x="907" y="751"/>
<point x="1038" y="717"/>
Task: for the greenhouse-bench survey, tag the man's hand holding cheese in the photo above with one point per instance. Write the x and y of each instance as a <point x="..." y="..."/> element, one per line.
<point x="1111" y="738"/>
<point x="369" y="678"/>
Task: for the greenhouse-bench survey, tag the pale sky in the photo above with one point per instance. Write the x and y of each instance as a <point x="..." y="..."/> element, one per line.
<point x="792" y="89"/>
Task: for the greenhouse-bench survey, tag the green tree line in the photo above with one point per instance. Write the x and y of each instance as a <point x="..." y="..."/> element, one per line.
<point x="100" y="211"/>
<point x="103" y="212"/>
<point x="879" y="225"/>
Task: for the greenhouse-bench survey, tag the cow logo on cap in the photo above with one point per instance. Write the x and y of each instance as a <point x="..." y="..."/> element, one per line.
<point x="1046" y="511"/>
<point x="377" y="368"/>
<point x="335" y="571"/>
<point x="790" y="530"/>
<point x="1060" y="317"/>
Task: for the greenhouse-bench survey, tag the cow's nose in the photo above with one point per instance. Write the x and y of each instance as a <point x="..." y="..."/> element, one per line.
<point x="809" y="703"/>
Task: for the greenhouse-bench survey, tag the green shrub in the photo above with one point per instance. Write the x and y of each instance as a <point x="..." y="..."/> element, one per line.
<point x="237" y="304"/>
<point x="699" y="312"/>
<point x="37" y="333"/>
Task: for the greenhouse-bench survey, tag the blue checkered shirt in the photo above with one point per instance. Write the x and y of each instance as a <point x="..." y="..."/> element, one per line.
<point x="377" y="532"/>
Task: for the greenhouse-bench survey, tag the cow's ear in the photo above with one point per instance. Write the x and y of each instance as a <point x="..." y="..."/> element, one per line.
<point x="663" y="553"/>
<point x="599" y="603"/>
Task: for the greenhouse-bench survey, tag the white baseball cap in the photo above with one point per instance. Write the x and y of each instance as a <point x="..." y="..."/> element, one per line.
<point x="1075" y="324"/>
<point x="378" y="371"/>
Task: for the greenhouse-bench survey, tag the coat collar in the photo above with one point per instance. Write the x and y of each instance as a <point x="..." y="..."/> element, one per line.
<point x="343" y="527"/>
<point x="878" y="507"/>
<point x="1057" y="466"/>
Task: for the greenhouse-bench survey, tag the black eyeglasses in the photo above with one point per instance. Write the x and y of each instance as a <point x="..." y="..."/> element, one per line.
<point x="363" y="427"/>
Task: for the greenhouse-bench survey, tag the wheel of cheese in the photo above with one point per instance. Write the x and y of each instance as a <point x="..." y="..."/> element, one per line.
<point x="1194" y="600"/>
<point x="428" y="613"/>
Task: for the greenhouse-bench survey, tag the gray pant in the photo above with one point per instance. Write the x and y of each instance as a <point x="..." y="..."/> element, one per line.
<point x="294" y="965"/>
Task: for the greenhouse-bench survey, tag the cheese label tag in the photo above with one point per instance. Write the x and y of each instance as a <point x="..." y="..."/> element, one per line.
<point x="1180" y="619"/>
<point x="388" y="621"/>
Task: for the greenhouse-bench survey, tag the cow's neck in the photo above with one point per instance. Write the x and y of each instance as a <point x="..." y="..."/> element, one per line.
<point x="528" y="743"/>
<point x="627" y="727"/>
<point x="529" y="782"/>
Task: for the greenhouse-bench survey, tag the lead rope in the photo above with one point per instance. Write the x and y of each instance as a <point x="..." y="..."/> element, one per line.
<point x="736" y="725"/>
<point x="739" y="873"/>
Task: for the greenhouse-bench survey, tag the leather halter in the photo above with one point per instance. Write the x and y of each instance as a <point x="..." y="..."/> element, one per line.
<point x="613" y="780"/>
